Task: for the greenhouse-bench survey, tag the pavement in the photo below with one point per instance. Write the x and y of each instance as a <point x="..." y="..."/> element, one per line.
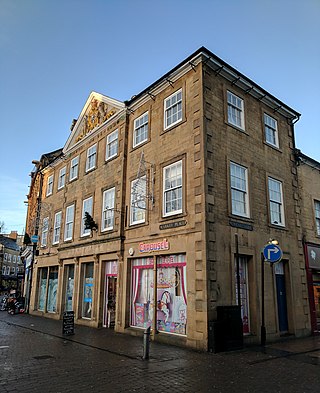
<point x="36" y="357"/>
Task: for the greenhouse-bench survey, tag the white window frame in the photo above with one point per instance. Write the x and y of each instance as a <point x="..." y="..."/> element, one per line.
<point x="170" y="189"/>
<point x="112" y="145"/>
<point x="62" y="177"/>
<point x="87" y="206"/>
<point x="317" y="216"/>
<point x="74" y="168"/>
<point x="57" y="228"/>
<point x="173" y="108"/>
<point x="91" y="158"/>
<point x="235" y="110"/>
<point x="8" y="270"/>
<point x="271" y="130"/>
<point x="138" y="200"/>
<point x="49" y="185"/>
<point x="141" y="129"/>
<point x="44" y="232"/>
<point x="68" y="226"/>
<point x="276" y="203"/>
<point x="4" y="269"/>
<point x="239" y="188"/>
<point x="108" y="204"/>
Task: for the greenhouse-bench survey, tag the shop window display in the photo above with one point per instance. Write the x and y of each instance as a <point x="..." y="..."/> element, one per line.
<point x="87" y="290"/>
<point x="171" y="307"/>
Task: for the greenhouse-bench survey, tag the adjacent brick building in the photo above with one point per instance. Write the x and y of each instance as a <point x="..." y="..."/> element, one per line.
<point x="309" y="181"/>
<point x="192" y="174"/>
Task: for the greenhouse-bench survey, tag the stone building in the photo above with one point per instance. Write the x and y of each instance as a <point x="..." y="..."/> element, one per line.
<point x="159" y="209"/>
<point x="309" y="182"/>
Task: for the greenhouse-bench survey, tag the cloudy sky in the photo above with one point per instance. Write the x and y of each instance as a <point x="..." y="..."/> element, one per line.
<point x="53" y="53"/>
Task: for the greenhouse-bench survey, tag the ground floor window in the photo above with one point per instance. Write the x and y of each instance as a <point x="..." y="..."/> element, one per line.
<point x="48" y="288"/>
<point x="69" y="286"/>
<point x="316" y="294"/>
<point x="171" y="299"/>
<point x="87" y="274"/>
<point x="244" y="293"/>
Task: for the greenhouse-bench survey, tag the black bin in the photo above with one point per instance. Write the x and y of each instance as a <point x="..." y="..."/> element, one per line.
<point x="226" y="333"/>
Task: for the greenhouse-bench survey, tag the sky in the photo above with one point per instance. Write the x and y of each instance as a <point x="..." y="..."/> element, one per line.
<point x="54" y="53"/>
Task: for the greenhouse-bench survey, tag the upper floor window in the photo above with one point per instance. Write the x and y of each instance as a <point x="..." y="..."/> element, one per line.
<point x="68" y="228"/>
<point x="62" y="177"/>
<point x="3" y="269"/>
<point x="91" y="158"/>
<point x="138" y="200"/>
<point x="235" y="110"/>
<point x="5" y="256"/>
<point x="108" y="209"/>
<point x="8" y="270"/>
<point x="276" y="202"/>
<point x="173" y="109"/>
<point x="172" y="189"/>
<point x="86" y="208"/>
<point x="9" y="257"/>
<point x="317" y="212"/>
<point x="271" y="130"/>
<point x="49" y="185"/>
<point x="56" y="228"/>
<point x="140" y="133"/>
<point x="14" y="259"/>
<point x="74" y="167"/>
<point x="44" y="231"/>
<point x="239" y="190"/>
<point x="112" y="145"/>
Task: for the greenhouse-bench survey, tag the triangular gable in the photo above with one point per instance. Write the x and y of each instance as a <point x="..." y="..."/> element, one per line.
<point x="96" y="111"/>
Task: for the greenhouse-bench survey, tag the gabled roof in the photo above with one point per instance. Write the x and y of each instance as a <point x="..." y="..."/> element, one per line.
<point x="97" y="110"/>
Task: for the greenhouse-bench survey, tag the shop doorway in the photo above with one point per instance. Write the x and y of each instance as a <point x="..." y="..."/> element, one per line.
<point x="110" y="295"/>
<point x="281" y="298"/>
<point x="316" y="294"/>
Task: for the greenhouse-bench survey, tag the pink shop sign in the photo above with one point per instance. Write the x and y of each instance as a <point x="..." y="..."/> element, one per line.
<point x="155" y="246"/>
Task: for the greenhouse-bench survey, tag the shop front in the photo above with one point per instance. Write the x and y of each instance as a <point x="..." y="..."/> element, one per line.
<point x="312" y="252"/>
<point x="163" y="298"/>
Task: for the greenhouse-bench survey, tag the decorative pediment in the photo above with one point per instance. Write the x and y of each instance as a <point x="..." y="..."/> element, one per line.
<point x="97" y="110"/>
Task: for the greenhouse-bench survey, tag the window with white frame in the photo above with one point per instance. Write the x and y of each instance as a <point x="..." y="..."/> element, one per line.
<point x="276" y="202"/>
<point x="86" y="208"/>
<point x="9" y="258"/>
<point x="91" y="158"/>
<point x="138" y="200"/>
<point x="68" y="227"/>
<point x="56" y="228"/>
<point x="271" y="130"/>
<point x="3" y="269"/>
<point x="235" y="110"/>
<point x="13" y="270"/>
<point x="14" y="259"/>
<point x="112" y="145"/>
<point x="108" y="209"/>
<point x="173" y="109"/>
<point x="172" y="189"/>
<point x="74" y="167"/>
<point x="49" y="185"/>
<point x="62" y="178"/>
<point x="5" y="256"/>
<point x="44" y="231"/>
<point x="140" y="132"/>
<point x="317" y="213"/>
<point x="239" y="190"/>
<point x="8" y="270"/>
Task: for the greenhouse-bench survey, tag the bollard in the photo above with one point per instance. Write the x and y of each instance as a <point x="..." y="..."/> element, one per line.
<point x="146" y="343"/>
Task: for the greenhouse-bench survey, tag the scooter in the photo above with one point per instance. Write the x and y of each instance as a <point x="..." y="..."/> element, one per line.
<point x="15" y="307"/>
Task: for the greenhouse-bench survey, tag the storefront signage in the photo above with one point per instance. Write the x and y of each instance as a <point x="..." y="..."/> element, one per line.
<point x="157" y="246"/>
<point x="314" y="256"/>
<point x="176" y="224"/>
<point x="68" y="323"/>
<point x="241" y="225"/>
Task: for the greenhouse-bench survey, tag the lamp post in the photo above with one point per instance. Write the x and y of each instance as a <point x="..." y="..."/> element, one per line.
<point x="271" y="253"/>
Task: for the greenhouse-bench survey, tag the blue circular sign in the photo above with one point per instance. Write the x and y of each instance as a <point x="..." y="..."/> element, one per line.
<point x="272" y="253"/>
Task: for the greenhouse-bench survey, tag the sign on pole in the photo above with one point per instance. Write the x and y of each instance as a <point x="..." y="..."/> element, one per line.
<point x="272" y="253"/>
<point x="34" y="238"/>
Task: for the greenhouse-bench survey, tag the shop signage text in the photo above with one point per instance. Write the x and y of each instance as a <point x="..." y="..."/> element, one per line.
<point x="241" y="225"/>
<point x="156" y="246"/>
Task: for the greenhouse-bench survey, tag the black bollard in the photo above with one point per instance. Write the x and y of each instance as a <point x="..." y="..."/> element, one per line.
<point x="146" y="343"/>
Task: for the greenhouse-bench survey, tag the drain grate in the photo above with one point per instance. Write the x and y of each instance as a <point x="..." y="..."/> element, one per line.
<point x="43" y="357"/>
